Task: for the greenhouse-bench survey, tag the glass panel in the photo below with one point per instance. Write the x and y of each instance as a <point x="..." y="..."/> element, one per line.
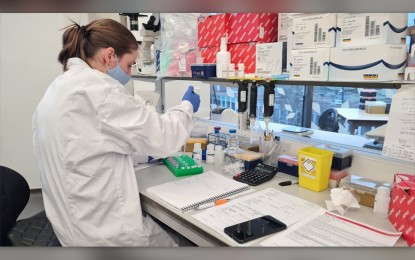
<point x="288" y="107"/>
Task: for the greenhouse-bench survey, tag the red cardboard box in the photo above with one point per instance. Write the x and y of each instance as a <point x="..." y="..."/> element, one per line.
<point x="211" y="28"/>
<point x="244" y="53"/>
<point x="402" y="206"/>
<point x="209" y="54"/>
<point x="253" y="27"/>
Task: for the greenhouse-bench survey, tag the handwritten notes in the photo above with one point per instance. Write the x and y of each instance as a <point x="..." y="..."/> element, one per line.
<point x="400" y="131"/>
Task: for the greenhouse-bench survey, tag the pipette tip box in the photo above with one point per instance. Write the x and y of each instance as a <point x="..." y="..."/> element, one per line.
<point x="182" y="165"/>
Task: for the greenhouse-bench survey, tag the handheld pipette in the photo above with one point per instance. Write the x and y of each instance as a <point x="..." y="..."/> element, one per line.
<point x="252" y="104"/>
<point x="252" y="108"/>
<point x="269" y="94"/>
<point x="242" y="102"/>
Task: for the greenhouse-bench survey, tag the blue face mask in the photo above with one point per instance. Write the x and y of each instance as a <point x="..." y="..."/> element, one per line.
<point x="118" y="73"/>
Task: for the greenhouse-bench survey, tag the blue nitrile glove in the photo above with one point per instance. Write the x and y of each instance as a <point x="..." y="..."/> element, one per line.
<point x="193" y="98"/>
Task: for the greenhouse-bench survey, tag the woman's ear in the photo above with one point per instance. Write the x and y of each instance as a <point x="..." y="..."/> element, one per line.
<point x="109" y="55"/>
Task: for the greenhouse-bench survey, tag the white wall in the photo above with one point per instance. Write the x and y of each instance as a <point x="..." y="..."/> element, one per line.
<point x="29" y="48"/>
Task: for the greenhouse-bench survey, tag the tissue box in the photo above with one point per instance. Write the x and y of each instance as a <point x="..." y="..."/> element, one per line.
<point x="288" y="164"/>
<point x="375" y="107"/>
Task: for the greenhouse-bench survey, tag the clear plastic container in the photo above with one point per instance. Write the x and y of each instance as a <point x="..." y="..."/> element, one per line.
<point x="232" y="150"/>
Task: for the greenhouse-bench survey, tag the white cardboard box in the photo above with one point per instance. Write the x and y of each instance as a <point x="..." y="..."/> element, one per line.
<point x="380" y="62"/>
<point x="285" y="22"/>
<point x="313" y="31"/>
<point x="371" y="28"/>
<point x="310" y="64"/>
<point x="271" y="59"/>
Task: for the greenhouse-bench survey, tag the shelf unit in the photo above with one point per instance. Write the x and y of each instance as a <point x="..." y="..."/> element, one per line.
<point x="308" y="87"/>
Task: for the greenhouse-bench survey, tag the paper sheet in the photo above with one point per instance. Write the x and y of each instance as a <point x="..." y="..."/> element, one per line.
<point x="282" y="206"/>
<point x="326" y="229"/>
<point x="400" y="133"/>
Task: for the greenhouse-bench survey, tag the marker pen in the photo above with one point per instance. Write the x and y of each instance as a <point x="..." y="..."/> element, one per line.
<point x="212" y="204"/>
<point x="286" y="183"/>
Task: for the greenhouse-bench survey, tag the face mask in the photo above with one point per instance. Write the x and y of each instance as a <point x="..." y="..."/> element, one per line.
<point x="118" y="73"/>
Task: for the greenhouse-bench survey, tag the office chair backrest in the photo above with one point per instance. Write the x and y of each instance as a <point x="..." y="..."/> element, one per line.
<point x="329" y="120"/>
<point x="14" y="195"/>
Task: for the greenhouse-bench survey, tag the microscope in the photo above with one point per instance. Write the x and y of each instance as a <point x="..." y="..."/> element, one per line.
<point x="146" y="35"/>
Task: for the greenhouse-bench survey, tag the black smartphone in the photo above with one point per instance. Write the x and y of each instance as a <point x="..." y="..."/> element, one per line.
<point x="255" y="228"/>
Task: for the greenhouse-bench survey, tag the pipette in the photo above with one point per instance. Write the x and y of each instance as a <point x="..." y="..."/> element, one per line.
<point x="252" y="104"/>
<point x="269" y="94"/>
<point x="242" y="102"/>
<point x="252" y="108"/>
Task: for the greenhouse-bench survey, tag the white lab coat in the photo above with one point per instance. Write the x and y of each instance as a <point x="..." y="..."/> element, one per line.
<point x="85" y="130"/>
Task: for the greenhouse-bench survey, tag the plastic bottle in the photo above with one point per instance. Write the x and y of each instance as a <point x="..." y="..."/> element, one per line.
<point x="241" y="70"/>
<point x="197" y="153"/>
<point x="210" y="154"/>
<point x="223" y="58"/>
<point x="232" y="149"/>
<point x="233" y="143"/>
<point x="217" y="135"/>
<point x="218" y="155"/>
<point x="382" y="201"/>
<point x="231" y="70"/>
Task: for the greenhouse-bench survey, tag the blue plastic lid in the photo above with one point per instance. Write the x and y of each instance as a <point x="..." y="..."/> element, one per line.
<point x="232" y="131"/>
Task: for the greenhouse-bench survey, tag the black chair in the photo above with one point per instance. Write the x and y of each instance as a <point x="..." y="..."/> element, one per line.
<point x="329" y="120"/>
<point x="33" y="231"/>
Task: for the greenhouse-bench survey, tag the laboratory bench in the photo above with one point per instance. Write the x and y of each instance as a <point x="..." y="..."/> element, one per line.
<point x="205" y="236"/>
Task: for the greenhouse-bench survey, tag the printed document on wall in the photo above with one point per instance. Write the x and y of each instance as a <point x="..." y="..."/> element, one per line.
<point x="400" y="130"/>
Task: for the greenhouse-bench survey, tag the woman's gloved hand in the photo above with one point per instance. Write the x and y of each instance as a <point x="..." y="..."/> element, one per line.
<point x="192" y="97"/>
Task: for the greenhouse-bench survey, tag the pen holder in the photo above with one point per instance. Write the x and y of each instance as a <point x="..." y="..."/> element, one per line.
<point x="270" y="151"/>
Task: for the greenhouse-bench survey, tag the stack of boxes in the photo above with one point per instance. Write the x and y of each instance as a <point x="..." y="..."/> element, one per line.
<point x="328" y="46"/>
<point x="210" y="29"/>
<point x="347" y="47"/>
<point x="369" y="47"/>
<point x="244" y="32"/>
<point x="310" y="43"/>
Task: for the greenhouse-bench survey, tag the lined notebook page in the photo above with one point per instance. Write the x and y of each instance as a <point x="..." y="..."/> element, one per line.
<point x="189" y="193"/>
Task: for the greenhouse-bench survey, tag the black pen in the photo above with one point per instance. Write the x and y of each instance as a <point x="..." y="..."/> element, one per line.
<point x="286" y="183"/>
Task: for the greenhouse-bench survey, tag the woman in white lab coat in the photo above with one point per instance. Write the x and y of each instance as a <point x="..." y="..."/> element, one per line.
<point x="85" y="131"/>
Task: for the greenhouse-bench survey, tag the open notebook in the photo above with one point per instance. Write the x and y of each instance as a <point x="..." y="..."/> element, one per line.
<point x="187" y="194"/>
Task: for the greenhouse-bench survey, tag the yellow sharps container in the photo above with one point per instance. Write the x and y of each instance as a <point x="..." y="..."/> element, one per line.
<point x="314" y="166"/>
